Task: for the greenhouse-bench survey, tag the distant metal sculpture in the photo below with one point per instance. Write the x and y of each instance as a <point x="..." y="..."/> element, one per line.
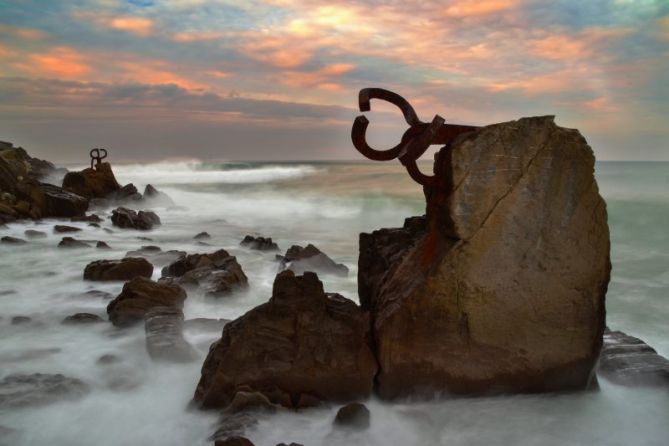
<point x="95" y="156"/>
<point x="415" y="140"/>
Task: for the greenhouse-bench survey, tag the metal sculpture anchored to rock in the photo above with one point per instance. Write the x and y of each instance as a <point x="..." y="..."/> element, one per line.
<point x="415" y="140"/>
<point x="97" y="155"/>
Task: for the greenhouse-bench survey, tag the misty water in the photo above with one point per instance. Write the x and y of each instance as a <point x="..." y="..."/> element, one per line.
<point x="136" y="401"/>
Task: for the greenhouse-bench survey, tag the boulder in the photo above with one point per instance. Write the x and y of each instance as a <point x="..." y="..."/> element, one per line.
<point x="38" y="389"/>
<point x="500" y="288"/>
<point x="301" y="342"/>
<point x="127" y="193"/>
<point x="98" y="182"/>
<point x="259" y="243"/>
<point x="202" y="236"/>
<point x="217" y="274"/>
<point x="69" y="242"/>
<point x="21" y="320"/>
<point x="82" y="318"/>
<point x="123" y="269"/>
<point x="310" y="258"/>
<point x="31" y="233"/>
<point x="9" y="240"/>
<point x="164" y="335"/>
<point x="139" y="296"/>
<point x="102" y="245"/>
<point x="234" y="441"/>
<point x="59" y="229"/>
<point x="63" y="204"/>
<point x="154" y="197"/>
<point x="353" y="416"/>
<point x="130" y="219"/>
<point x="24" y="164"/>
<point x="629" y="361"/>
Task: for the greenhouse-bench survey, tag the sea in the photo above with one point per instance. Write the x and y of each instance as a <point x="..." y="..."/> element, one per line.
<point x="140" y="402"/>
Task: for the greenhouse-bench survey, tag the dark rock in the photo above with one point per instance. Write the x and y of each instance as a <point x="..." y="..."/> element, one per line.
<point x="234" y="441"/>
<point x="69" y="242"/>
<point x="250" y="402"/>
<point x="127" y="193"/>
<point x="12" y="240"/>
<point x="124" y="269"/>
<point x="291" y="444"/>
<point x="82" y="318"/>
<point x="93" y="218"/>
<point x="353" y="416"/>
<point x="31" y="233"/>
<point x="108" y="359"/>
<point x="234" y="425"/>
<point x="629" y="361"/>
<point x="59" y="229"/>
<point x="259" y="243"/>
<point x="501" y="287"/>
<point x="98" y="182"/>
<point x="10" y="292"/>
<point x="102" y="245"/>
<point x="38" y="389"/>
<point x="139" y="296"/>
<point x="300" y="342"/>
<point x="156" y="255"/>
<point x="217" y="274"/>
<point x="202" y="236"/>
<point x="61" y="203"/>
<point x="20" y="320"/>
<point x="155" y="197"/>
<point x="97" y="294"/>
<point x="299" y="260"/>
<point x="94" y="225"/>
<point x="164" y="335"/>
<point x="129" y="219"/>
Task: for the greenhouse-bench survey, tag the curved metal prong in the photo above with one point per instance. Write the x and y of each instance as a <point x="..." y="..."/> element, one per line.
<point x="416" y="147"/>
<point x="366" y="94"/>
<point x="360" y="142"/>
<point x="105" y="154"/>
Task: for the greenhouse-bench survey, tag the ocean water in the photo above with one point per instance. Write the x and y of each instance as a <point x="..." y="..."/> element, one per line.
<point x="140" y="402"/>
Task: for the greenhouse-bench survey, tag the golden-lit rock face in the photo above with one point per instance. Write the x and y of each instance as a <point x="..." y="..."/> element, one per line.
<point x="501" y="286"/>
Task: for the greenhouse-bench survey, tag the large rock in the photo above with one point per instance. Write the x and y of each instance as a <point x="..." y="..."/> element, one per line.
<point x="259" y="243"/>
<point x="300" y="259"/>
<point x="98" y="182"/>
<point x="123" y="269"/>
<point x="139" y="296"/>
<point x="63" y="204"/>
<point x="217" y="274"/>
<point x="629" y="361"/>
<point x="301" y="345"/>
<point x="23" y="164"/>
<point x="164" y="335"/>
<point x="154" y="197"/>
<point x="501" y="286"/>
<point x="130" y="219"/>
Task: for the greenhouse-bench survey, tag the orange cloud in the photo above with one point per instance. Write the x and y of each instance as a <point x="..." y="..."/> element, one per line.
<point x="602" y="104"/>
<point x="136" y="25"/>
<point x="62" y="62"/>
<point x="322" y="79"/>
<point x="192" y="36"/>
<point x="560" y="47"/>
<point x="467" y="8"/>
<point x="152" y="72"/>
<point x="22" y="33"/>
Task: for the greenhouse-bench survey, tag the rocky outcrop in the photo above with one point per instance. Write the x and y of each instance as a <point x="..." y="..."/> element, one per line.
<point x="130" y="219"/>
<point x="97" y="182"/>
<point x="164" y="335"/>
<point x="217" y="274"/>
<point x="310" y="258"/>
<point x="39" y="389"/>
<point x="298" y="347"/>
<point x="259" y="243"/>
<point x="629" y="361"/>
<point x="23" y="164"/>
<point x="63" y="204"/>
<point x="123" y="269"/>
<point x="139" y="296"/>
<point x="154" y="197"/>
<point x="501" y="286"/>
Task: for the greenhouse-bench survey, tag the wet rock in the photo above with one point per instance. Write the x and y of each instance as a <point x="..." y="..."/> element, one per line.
<point x="123" y="269"/>
<point x="21" y="320"/>
<point x="129" y="219"/>
<point x="127" y="193"/>
<point x="156" y="198"/>
<point x="250" y="402"/>
<point x="299" y="260"/>
<point x="31" y="233"/>
<point x="164" y="335"/>
<point x="102" y="245"/>
<point x="629" y="361"/>
<point x="82" y="318"/>
<point x="108" y="359"/>
<point x="217" y="274"/>
<point x="98" y="182"/>
<point x="61" y="203"/>
<point x="92" y="218"/>
<point x="202" y="236"/>
<point x="145" y="239"/>
<point x="7" y="214"/>
<point x="259" y="243"/>
<point x="139" y="296"/>
<point x="59" y="229"/>
<point x="501" y="286"/>
<point x="7" y="292"/>
<point x="12" y="240"/>
<point x="353" y="416"/>
<point x="291" y="444"/>
<point x="234" y="425"/>
<point x="94" y="225"/>
<point x="300" y="342"/>
<point x="97" y="294"/>
<point x="234" y="441"/>
<point x="69" y="242"/>
<point x="37" y="389"/>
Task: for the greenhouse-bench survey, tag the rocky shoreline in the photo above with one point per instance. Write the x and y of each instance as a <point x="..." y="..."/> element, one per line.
<point x="489" y="292"/>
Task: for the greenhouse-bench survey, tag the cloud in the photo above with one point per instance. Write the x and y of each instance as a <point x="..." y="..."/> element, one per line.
<point x="62" y="62"/>
<point x="136" y="25"/>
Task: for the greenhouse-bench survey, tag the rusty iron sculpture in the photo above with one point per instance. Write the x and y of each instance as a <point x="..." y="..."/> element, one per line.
<point x="97" y="155"/>
<point x="415" y="140"/>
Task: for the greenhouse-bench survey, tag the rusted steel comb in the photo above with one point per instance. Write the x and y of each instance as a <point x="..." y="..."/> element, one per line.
<point x="415" y="141"/>
<point x="97" y="155"/>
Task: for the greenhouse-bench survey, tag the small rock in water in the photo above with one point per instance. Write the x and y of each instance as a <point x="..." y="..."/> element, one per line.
<point x="353" y="416"/>
<point x="94" y="225"/>
<point x="96" y="294"/>
<point x="310" y="258"/>
<point x="124" y="269"/>
<point x="69" y="242"/>
<point x="291" y="444"/>
<point x="59" y="229"/>
<point x="82" y="318"/>
<point x="7" y="292"/>
<point x="259" y="243"/>
<point x="12" y="240"/>
<point x="129" y="219"/>
<point x="145" y="239"/>
<point x="38" y="389"/>
<point x="20" y="320"/>
<point x="629" y="361"/>
<point x="102" y="245"/>
<point x="93" y="218"/>
<point x="202" y="236"/>
<point x="108" y="359"/>
<point x="164" y="335"/>
<point x="234" y="441"/>
<point x="31" y="233"/>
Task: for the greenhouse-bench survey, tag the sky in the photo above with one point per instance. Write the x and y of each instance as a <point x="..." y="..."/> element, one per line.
<point x="278" y="79"/>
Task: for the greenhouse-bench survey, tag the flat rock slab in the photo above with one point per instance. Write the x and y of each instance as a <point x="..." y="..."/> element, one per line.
<point x="123" y="269"/>
<point x="38" y="389"/>
<point x="629" y="361"/>
<point x="164" y="335"/>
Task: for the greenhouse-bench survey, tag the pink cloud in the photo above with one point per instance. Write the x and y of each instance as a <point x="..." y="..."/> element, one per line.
<point x="136" y="25"/>
<point x="62" y="62"/>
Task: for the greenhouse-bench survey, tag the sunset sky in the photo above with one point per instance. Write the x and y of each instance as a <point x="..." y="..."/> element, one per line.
<point x="278" y="79"/>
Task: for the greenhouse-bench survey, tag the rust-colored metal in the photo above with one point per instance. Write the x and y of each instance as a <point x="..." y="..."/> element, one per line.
<point x="97" y="155"/>
<point x="415" y="141"/>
